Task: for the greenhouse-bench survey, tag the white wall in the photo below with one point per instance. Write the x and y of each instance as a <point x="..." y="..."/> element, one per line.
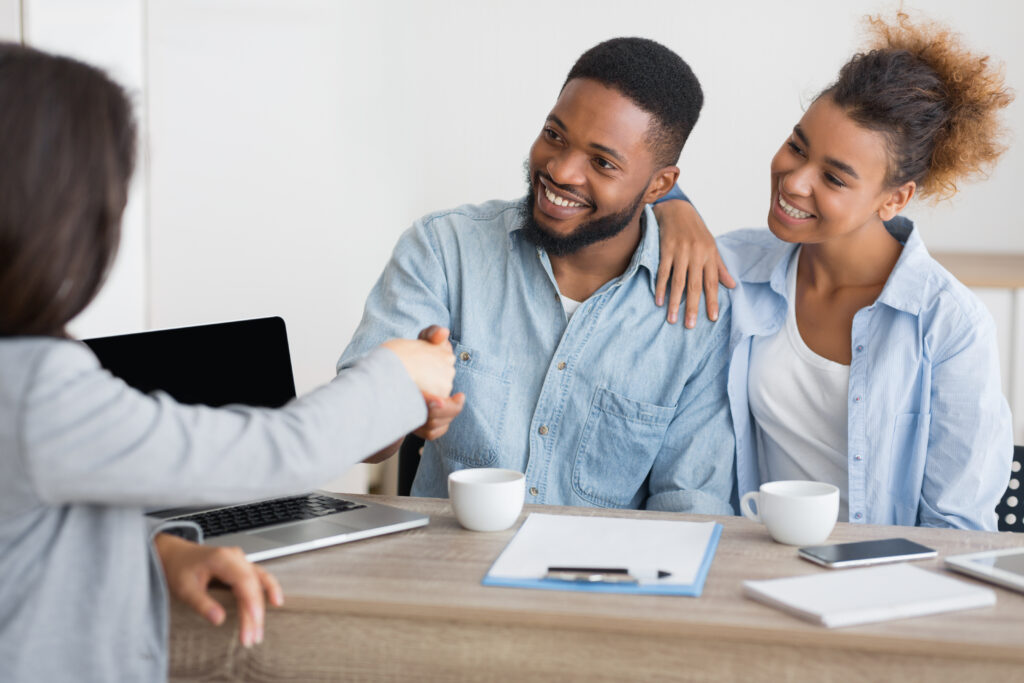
<point x="292" y="141"/>
<point x="10" y="20"/>
<point x="107" y="34"/>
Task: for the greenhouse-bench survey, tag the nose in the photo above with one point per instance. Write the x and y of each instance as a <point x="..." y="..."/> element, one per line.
<point x="565" y="168"/>
<point x="797" y="181"/>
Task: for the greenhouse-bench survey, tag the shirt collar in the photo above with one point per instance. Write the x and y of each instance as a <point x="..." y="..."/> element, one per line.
<point x="904" y="289"/>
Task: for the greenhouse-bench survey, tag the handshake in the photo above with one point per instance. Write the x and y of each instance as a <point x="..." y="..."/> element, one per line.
<point x="430" y="362"/>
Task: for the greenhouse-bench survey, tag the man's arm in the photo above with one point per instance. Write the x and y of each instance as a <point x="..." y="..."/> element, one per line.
<point x="694" y="471"/>
<point x="411" y="292"/>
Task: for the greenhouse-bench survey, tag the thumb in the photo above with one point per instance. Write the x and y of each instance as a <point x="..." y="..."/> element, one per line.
<point x="438" y="335"/>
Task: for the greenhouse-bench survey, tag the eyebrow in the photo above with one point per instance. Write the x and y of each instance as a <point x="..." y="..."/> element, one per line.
<point x="841" y="165"/>
<point x="594" y="145"/>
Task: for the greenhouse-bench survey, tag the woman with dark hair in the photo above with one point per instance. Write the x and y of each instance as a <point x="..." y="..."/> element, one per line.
<point x="856" y="358"/>
<point x="82" y="596"/>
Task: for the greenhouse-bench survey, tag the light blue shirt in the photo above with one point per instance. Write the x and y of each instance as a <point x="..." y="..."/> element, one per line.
<point x="929" y="438"/>
<point x="613" y="408"/>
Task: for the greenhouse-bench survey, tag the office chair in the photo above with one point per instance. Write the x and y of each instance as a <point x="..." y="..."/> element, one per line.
<point x="408" y="462"/>
<point x="1011" y="508"/>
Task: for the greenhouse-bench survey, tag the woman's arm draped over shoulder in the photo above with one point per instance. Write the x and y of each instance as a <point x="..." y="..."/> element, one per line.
<point x="689" y="260"/>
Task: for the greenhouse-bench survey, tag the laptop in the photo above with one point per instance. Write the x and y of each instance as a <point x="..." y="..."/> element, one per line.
<point x="243" y="362"/>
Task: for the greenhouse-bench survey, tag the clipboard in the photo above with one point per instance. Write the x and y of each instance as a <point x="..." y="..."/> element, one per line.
<point x="683" y="549"/>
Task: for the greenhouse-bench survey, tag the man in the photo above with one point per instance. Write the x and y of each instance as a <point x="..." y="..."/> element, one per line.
<point x="564" y="367"/>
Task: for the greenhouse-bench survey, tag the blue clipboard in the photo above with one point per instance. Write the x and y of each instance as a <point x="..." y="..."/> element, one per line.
<point x="533" y="555"/>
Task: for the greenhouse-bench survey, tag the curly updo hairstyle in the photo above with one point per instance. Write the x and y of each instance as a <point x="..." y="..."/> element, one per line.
<point x="936" y="103"/>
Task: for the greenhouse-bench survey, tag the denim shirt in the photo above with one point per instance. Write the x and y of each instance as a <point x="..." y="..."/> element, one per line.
<point x="929" y="433"/>
<point x="612" y="408"/>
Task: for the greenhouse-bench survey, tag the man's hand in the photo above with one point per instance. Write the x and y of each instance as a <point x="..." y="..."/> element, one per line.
<point x="189" y="568"/>
<point x="440" y="413"/>
<point x="690" y="259"/>
<point x="441" y="410"/>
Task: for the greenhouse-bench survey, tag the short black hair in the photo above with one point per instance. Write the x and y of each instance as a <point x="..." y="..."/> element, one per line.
<point x="656" y="79"/>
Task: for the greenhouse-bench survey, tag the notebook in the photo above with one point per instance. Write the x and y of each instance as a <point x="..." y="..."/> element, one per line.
<point x="608" y="550"/>
<point x="214" y="365"/>
<point x="858" y="596"/>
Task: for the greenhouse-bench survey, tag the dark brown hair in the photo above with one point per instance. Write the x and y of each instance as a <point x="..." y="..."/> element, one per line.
<point x="67" y="151"/>
<point x="936" y="103"/>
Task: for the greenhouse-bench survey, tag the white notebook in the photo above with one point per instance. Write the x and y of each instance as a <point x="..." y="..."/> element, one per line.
<point x="858" y="596"/>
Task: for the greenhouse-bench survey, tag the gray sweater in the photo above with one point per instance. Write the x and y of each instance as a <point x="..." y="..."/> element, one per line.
<point x="82" y="596"/>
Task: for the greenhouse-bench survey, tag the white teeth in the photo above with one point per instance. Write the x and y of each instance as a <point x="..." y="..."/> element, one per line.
<point x="792" y="211"/>
<point x="558" y="201"/>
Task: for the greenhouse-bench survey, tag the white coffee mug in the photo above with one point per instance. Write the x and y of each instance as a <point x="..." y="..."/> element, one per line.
<point x="486" y="498"/>
<point x="795" y="512"/>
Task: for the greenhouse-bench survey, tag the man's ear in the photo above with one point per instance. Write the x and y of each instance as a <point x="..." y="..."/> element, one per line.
<point x="897" y="200"/>
<point x="661" y="183"/>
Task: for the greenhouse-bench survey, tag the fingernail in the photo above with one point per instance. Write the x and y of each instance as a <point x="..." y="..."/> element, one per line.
<point x="714" y="316"/>
<point x="259" y="636"/>
<point x="659" y="301"/>
<point x="215" y="616"/>
<point x="691" y="321"/>
<point x="246" y="638"/>
<point x="672" y="318"/>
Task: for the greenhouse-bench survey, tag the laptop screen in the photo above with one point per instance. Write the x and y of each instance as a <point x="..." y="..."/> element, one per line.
<point x="245" y="361"/>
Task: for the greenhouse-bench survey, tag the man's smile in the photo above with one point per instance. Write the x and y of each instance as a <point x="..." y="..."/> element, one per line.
<point x="557" y="203"/>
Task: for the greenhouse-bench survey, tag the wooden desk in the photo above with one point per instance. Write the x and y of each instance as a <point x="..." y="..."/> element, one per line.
<point x="410" y="607"/>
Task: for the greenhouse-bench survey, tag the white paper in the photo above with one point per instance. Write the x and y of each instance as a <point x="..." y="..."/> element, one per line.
<point x="844" y="597"/>
<point x="635" y="544"/>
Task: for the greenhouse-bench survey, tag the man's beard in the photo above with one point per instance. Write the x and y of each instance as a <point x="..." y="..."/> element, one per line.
<point x="585" y="234"/>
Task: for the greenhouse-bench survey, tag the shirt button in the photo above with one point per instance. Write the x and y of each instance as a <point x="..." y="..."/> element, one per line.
<point x="561" y="365"/>
<point x="858" y="515"/>
<point x="858" y="458"/>
<point x="533" y="491"/>
<point x="860" y="347"/>
<point x="543" y="430"/>
<point x="856" y="399"/>
<point x="464" y="356"/>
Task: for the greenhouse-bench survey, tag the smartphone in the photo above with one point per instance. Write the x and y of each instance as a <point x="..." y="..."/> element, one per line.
<point x="866" y="552"/>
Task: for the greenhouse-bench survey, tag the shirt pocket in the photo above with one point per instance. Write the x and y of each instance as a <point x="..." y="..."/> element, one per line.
<point x="474" y="437"/>
<point x="620" y="442"/>
<point x="908" y="453"/>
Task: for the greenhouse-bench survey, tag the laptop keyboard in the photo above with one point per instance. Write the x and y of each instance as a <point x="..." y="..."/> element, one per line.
<point x="267" y="513"/>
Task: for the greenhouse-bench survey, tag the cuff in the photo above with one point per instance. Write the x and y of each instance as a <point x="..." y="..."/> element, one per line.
<point x="190" y="531"/>
<point x="674" y="193"/>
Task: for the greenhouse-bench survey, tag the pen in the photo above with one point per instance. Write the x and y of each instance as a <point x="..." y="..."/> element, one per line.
<point x="605" y="574"/>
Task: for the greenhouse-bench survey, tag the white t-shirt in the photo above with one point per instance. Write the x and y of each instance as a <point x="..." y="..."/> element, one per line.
<point x="569" y="306"/>
<point x="798" y="400"/>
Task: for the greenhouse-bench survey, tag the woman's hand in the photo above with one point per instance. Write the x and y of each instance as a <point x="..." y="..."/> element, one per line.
<point x="689" y="260"/>
<point x="429" y="360"/>
<point x="189" y="568"/>
<point x="441" y="410"/>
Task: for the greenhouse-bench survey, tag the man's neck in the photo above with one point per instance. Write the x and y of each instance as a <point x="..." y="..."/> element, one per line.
<point x="583" y="272"/>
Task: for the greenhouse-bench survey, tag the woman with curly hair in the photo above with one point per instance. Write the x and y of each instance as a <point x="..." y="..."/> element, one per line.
<point x="856" y="358"/>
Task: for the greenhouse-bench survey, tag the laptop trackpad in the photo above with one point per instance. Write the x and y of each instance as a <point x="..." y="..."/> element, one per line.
<point x="308" y="530"/>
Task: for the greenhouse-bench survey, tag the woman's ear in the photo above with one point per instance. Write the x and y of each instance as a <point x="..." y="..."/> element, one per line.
<point x="661" y="183"/>
<point x="897" y="200"/>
